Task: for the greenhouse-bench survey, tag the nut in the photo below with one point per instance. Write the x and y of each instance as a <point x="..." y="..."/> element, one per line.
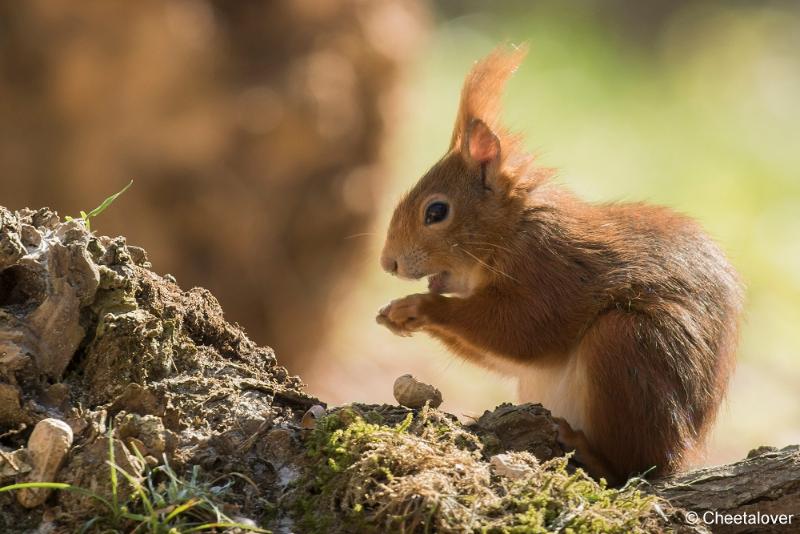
<point x="48" y="445"/>
<point x="412" y="393"/>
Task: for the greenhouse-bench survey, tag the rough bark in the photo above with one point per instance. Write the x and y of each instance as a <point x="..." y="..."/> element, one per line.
<point x="766" y="482"/>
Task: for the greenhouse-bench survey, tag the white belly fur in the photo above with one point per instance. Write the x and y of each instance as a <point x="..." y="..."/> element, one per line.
<point x="561" y="387"/>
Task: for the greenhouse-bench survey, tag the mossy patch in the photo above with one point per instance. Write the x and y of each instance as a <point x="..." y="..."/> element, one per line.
<point x="427" y="474"/>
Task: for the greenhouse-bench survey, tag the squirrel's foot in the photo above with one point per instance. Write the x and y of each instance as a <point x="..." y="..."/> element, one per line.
<point x="406" y="315"/>
<point x="575" y="440"/>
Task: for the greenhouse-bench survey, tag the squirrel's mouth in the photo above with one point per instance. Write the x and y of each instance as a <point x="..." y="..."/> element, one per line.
<point x="437" y="283"/>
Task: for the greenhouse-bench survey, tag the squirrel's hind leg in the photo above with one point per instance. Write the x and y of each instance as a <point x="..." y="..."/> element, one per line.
<point x="645" y="400"/>
<point x="591" y="460"/>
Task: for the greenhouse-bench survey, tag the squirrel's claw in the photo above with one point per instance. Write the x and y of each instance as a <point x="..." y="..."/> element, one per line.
<point x="382" y="319"/>
<point x="403" y="316"/>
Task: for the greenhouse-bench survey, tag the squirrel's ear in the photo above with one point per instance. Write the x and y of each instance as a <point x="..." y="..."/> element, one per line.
<point x="478" y="134"/>
<point x="480" y="146"/>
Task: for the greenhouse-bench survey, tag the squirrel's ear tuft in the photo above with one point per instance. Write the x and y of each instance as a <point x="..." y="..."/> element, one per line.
<point x="479" y="135"/>
<point x="482" y="91"/>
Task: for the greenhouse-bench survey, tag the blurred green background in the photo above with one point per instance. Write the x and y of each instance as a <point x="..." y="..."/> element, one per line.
<point x="696" y="107"/>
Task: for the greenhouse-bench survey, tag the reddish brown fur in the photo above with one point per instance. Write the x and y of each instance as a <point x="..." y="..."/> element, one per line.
<point x="639" y="293"/>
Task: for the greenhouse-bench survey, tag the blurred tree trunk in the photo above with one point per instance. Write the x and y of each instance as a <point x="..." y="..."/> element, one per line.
<point x="254" y="132"/>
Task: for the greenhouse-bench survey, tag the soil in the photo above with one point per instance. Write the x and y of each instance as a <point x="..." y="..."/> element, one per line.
<point x="91" y="336"/>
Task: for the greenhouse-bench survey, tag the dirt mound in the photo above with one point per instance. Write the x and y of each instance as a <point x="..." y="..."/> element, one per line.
<point x="151" y="410"/>
<point x="89" y="335"/>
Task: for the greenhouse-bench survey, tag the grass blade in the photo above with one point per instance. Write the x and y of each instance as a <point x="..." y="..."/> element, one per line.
<point x="107" y="202"/>
<point x="210" y="526"/>
<point x="113" y="473"/>
<point x="191" y="503"/>
<point x="58" y="486"/>
<point x="88" y="525"/>
<point x="37" y="485"/>
<point x="135" y="517"/>
<point x="137" y="486"/>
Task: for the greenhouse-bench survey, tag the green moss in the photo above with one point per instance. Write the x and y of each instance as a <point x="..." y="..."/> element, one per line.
<point x="427" y="474"/>
<point x="552" y="499"/>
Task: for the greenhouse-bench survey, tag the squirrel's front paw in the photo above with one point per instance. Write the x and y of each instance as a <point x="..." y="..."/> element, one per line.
<point x="406" y="315"/>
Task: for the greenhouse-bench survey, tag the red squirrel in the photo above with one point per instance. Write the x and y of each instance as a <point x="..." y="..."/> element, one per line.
<point x="621" y="318"/>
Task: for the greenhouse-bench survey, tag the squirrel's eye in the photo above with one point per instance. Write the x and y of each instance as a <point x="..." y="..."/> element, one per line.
<point x="436" y="212"/>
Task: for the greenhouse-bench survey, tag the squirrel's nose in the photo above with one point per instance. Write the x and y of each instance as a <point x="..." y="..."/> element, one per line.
<point x="389" y="264"/>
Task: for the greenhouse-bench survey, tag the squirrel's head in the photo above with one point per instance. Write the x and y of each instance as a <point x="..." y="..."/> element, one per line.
<point x="462" y="214"/>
